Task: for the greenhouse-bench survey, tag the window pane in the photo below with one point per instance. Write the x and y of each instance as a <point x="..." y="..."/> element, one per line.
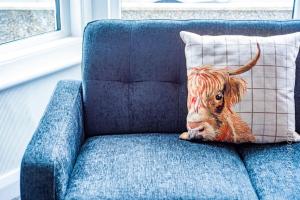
<point x="207" y="9"/>
<point x="25" y="18"/>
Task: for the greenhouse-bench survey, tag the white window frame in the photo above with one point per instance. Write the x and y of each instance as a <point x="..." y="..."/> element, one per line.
<point x="21" y="58"/>
<point x="44" y="37"/>
<point x="74" y="15"/>
<point x="296" y="10"/>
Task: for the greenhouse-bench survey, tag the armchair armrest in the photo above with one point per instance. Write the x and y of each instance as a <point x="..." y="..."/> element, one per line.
<point x="51" y="154"/>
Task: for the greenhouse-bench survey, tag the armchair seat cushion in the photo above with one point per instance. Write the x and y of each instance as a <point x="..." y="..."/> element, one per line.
<point x="157" y="166"/>
<point x="274" y="170"/>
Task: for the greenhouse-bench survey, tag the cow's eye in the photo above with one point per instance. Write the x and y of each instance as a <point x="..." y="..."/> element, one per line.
<point x="219" y="96"/>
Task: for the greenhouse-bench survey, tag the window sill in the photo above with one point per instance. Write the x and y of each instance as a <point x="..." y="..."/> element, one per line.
<point x="35" y="62"/>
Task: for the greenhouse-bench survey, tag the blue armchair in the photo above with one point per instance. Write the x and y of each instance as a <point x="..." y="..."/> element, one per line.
<point x="115" y="134"/>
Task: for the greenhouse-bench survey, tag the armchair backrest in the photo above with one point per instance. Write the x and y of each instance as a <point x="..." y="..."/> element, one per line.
<point x="134" y="74"/>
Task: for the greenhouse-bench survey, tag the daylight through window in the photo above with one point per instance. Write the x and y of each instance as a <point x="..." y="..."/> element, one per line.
<point x="21" y="19"/>
<point x="207" y="9"/>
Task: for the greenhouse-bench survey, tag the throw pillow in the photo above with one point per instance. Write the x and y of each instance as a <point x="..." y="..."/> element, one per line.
<point x="241" y="88"/>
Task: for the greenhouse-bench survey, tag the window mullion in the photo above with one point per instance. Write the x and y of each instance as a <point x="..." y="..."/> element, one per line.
<point x="296" y="10"/>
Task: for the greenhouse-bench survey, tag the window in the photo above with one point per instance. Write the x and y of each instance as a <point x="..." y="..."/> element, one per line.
<point x="21" y="19"/>
<point x="207" y="9"/>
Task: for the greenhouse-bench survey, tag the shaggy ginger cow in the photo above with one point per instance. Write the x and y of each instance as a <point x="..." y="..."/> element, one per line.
<point x="211" y="95"/>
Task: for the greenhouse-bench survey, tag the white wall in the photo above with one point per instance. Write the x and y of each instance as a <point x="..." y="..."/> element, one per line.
<point x="21" y="108"/>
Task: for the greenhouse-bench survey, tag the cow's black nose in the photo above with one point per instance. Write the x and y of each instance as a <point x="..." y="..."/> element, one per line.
<point x="198" y="137"/>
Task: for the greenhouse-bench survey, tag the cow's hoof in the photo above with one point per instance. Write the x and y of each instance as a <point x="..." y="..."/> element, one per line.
<point x="184" y="136"/>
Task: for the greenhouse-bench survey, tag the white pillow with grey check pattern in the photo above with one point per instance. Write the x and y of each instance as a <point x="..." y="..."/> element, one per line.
<point x="268" y="106"/>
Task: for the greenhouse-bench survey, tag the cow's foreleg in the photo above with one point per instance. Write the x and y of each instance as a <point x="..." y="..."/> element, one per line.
<point x="184" y="136"/>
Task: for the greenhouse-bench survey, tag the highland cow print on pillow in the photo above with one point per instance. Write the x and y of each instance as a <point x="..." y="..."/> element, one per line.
<point x="241" y="89"/>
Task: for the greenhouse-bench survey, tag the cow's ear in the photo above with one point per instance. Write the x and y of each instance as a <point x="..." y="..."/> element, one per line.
<point x="235" y="90"/>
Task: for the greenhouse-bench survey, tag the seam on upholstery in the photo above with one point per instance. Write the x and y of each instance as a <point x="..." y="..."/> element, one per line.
<point x="281" y="29"/>
<point x="178" y="107"/>
<point x="73" y="118"/>
<point x="178" y="99"/>
<point x="54" y="149"/>
<point x="193" y="20"/>
<point x="118" y="81"/>
<point x="80" y="144"/>
<point x="54" y="182"/>
<point x="254" y="188"/>
<point x="236" y="146"/>
<point x="82" y="48"/>
<point x="130" y="77"/>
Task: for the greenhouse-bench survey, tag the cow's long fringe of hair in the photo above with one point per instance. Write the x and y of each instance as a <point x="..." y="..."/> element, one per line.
<point x="205" y="81"/>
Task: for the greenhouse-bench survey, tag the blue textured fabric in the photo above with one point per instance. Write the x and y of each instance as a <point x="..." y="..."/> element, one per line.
<point x="134" y="74"/>
<point x="157" y="166"/>
<point x="274" y="169"/>
<point x="51" y="154"/>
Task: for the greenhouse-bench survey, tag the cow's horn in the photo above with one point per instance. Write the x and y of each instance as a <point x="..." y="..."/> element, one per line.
<point x="247" y="66"/>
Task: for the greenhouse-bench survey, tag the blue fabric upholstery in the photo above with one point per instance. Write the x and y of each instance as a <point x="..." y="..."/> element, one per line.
<point x="134" y="73"/>
<point x="157" y="166"/>
<point x="274" y="169"/>
<point x="52" y="152"/>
